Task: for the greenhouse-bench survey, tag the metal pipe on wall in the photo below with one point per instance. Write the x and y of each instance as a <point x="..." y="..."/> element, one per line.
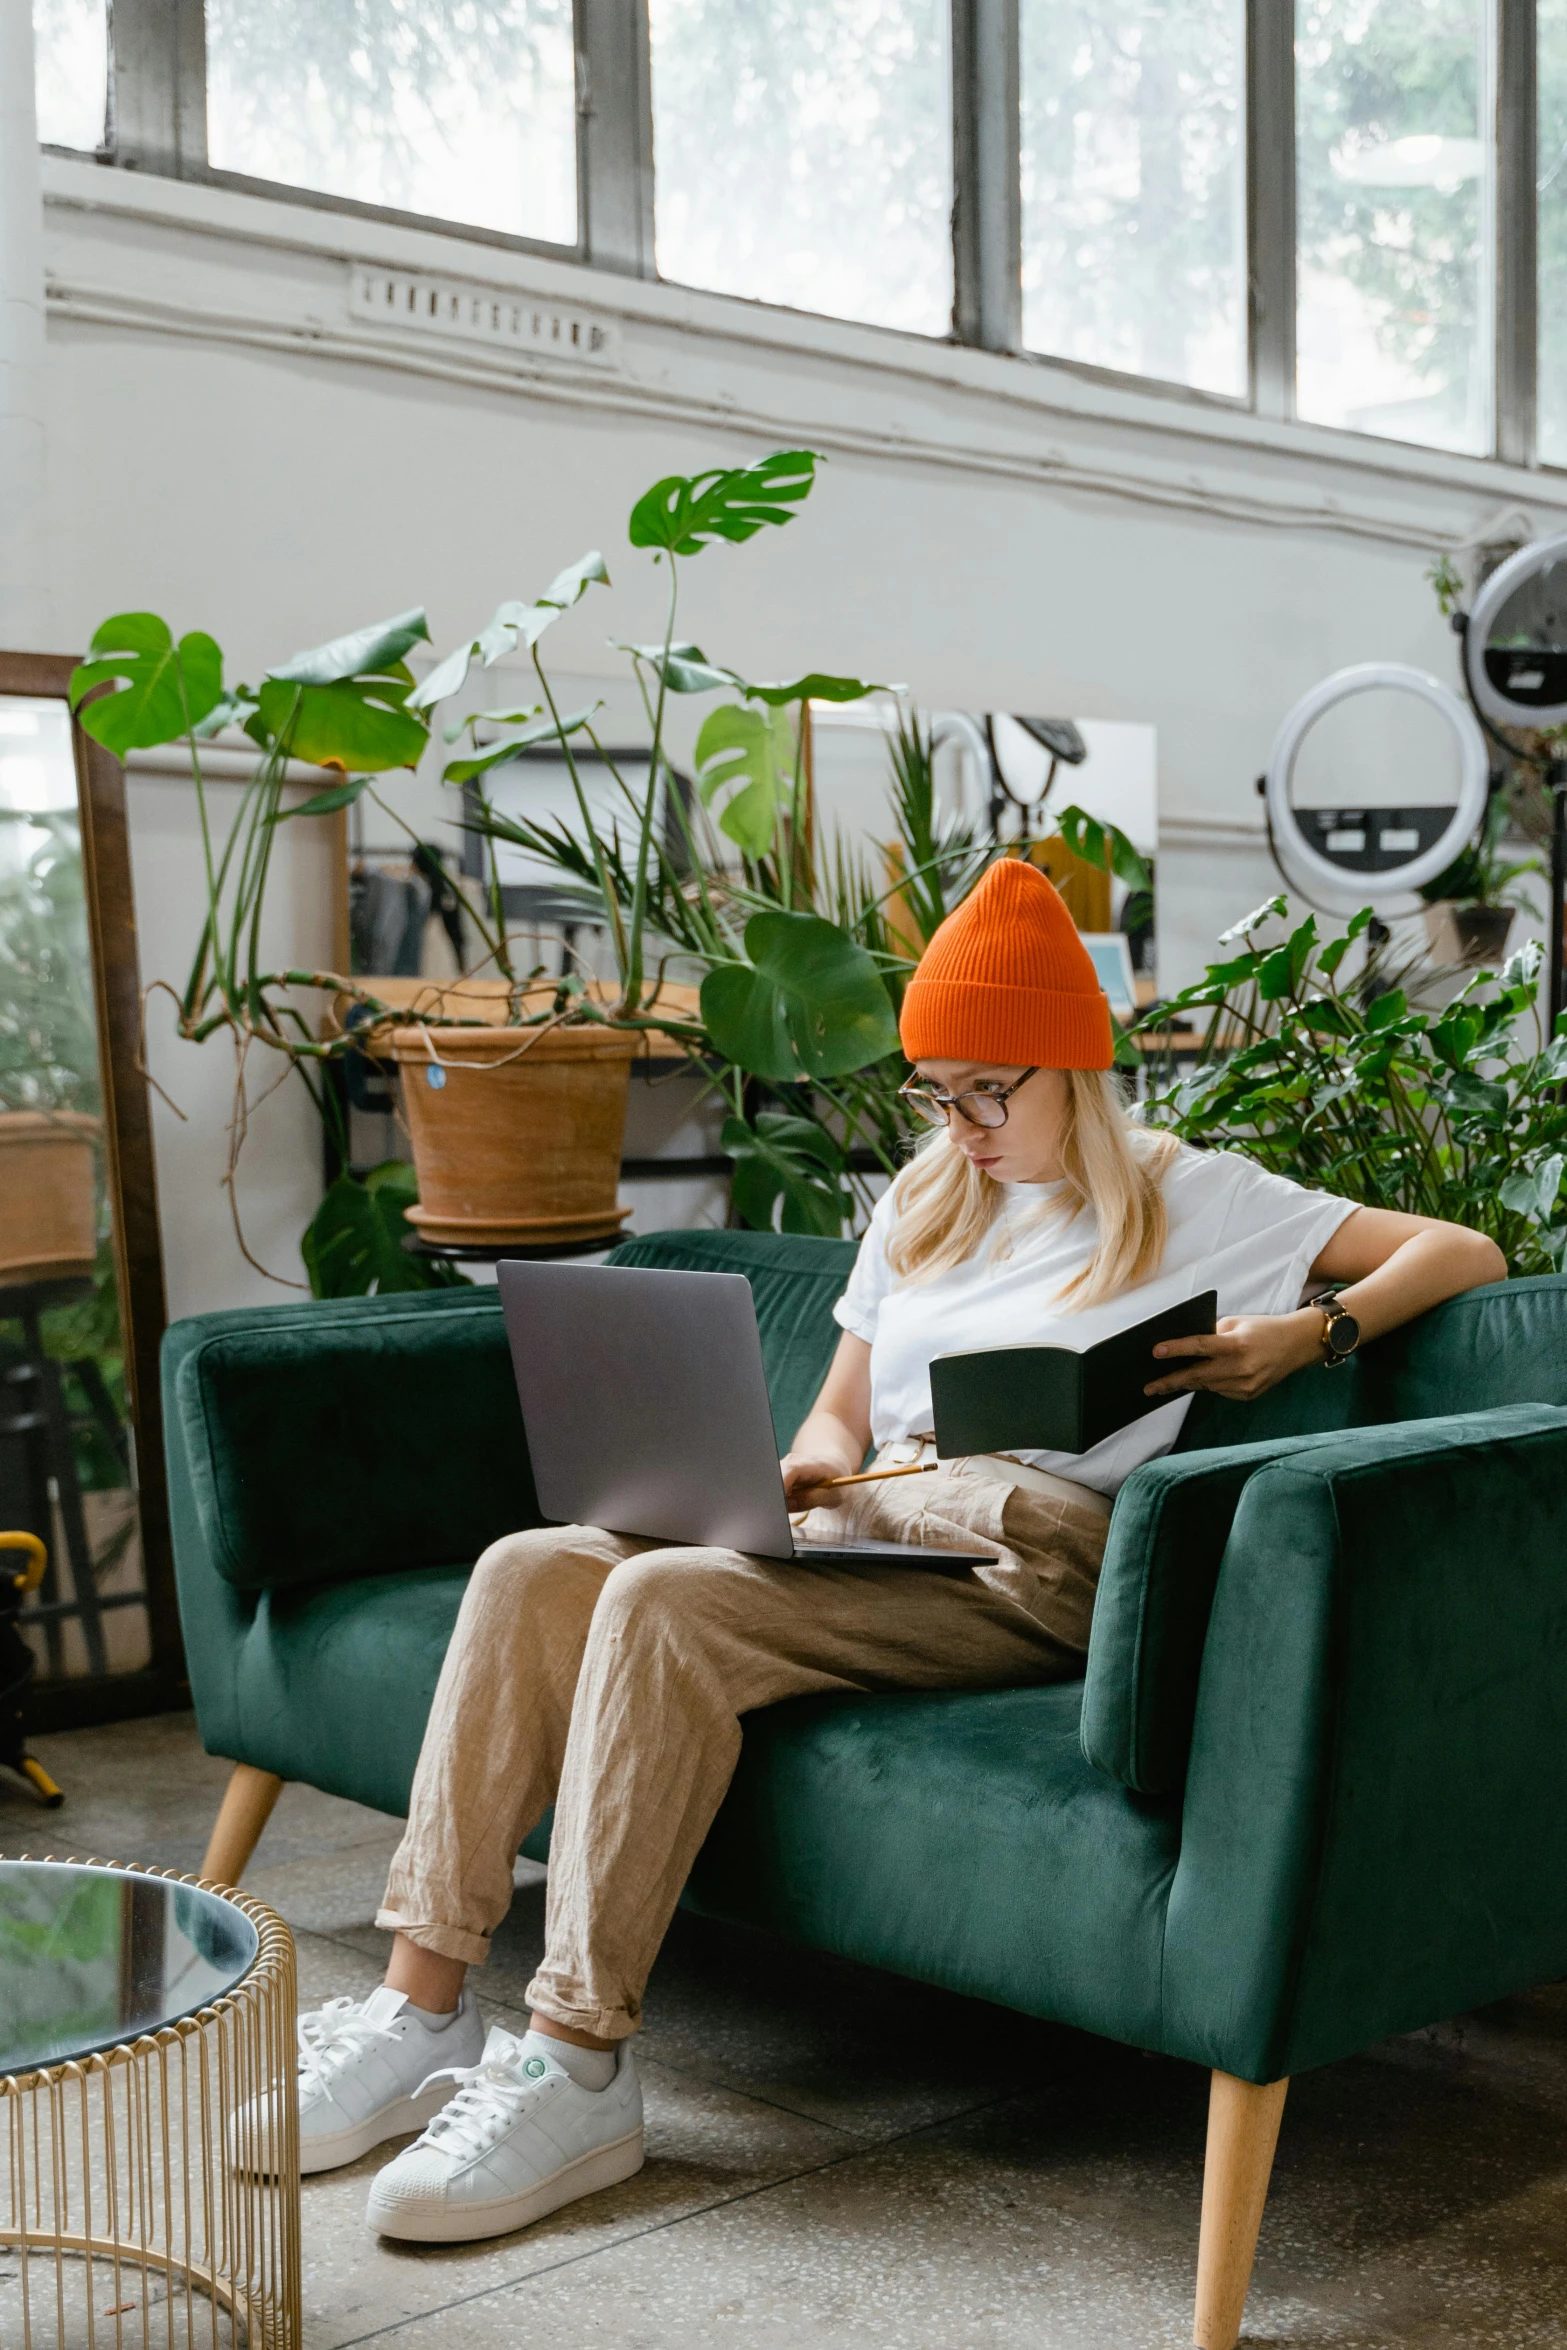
<point x="26" y="609"/>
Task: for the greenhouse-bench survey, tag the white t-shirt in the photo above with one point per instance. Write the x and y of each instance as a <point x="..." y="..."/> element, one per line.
<point x="1233" y="1227"/>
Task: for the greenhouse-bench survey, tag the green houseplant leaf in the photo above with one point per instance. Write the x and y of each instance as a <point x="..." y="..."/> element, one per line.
<point x="810" y="1002"/>
<point x="514" y="624"/>
<point x="539" y="730"/>
<point x="356" y="723"/>
<point x="353" y="1244"/>
<point x="164" y="689"/>
<point x="683" y="513"/>
<point x="742" y="748"/>
<point x="367" y="652"/>
<point x="790" y="1160"/>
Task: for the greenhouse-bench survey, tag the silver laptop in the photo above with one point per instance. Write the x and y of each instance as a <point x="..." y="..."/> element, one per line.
<point x="646" y="1411"/>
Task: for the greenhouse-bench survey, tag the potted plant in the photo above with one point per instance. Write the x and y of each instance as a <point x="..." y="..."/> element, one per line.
<point x="1469" y="907"/>
<point x="514" y="1084"/>
<point x="1459" y="1114"/>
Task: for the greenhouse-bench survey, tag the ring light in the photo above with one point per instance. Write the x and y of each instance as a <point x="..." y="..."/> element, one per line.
<point x="1515" y="643"/>
<point x="1379" y="851"/>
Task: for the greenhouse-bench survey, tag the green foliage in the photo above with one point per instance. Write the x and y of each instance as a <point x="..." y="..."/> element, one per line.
<point x="161" y="689"/>
<point x="353" y="1244"/>
<point x="48" y="1021"/>
<point x="1480" y="875"/>
<point x="746" y="757"/>
<point x="809" y="1002"/>
<point x="356" y="723"/>
<point x="685" y="512"/>
<point x="792" y="1161"/>
<point x="1459" y="1114"/>
<point x="514" y="625"/>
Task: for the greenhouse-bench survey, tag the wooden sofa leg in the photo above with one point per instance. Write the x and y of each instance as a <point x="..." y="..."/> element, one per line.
<point x="1243" y="2130"/>
<point x="244" y="1812"/>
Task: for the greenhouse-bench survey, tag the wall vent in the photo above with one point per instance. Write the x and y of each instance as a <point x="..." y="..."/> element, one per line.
<point x="483" y="314"/>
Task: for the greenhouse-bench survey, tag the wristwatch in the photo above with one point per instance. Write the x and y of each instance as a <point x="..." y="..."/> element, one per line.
<point x="1340" y="1331"/>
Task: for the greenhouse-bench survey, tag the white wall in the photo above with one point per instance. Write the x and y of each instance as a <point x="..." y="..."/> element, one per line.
<point x="232" y="445"/>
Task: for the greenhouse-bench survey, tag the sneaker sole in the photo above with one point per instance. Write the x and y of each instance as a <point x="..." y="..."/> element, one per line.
<point x="441" y="2223"/>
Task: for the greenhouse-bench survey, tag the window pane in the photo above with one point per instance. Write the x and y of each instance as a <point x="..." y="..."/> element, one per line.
<point x="1393" y="197"/>
<point x="72" y="38"/>
<point x="803" y="154"/>
<point x="1552" y="20"/>
<point x="1134" y="186"/>
<point x="463" y="113"/>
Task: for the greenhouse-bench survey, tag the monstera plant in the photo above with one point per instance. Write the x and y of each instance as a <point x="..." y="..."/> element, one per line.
<point x="792" y="950"/>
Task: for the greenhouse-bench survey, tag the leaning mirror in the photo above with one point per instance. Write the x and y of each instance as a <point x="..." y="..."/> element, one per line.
<point x="88" y="1627"/>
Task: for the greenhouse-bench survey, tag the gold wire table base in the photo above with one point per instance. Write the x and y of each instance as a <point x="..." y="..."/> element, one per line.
<point x="151" y="2191"/>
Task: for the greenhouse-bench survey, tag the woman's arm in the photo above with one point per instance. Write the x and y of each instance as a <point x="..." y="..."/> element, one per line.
<point x="831" y="1440"/>
<point x="1396" y="1266"/>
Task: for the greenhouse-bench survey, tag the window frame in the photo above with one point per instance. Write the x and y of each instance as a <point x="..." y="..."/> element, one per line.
<point x="156" y="123"/>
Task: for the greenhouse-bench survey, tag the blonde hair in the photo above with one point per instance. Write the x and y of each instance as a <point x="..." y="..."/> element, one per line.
<point x="944" y="1206"/>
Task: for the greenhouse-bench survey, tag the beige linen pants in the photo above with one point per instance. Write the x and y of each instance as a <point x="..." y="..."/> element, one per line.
<point x="608" y="1676"/>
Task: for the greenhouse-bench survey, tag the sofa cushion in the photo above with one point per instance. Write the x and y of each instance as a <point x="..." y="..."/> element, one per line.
<point x="334" y="1685"/>
<point x="958" y="1837"/>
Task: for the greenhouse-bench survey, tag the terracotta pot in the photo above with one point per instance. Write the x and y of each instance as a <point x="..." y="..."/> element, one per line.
<point x="48" y="1195"/>
<point x="1468" y="935"/>
<point x="515" y="1141"/>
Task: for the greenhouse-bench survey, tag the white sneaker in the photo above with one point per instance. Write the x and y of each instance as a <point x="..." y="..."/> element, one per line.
<point x="362" y="2069"/>
<point x="518" y="2140"/>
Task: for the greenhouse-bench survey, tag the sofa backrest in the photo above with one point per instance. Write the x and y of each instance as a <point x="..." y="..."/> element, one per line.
<point x="1504" y="1344"/>
<point x="357" y="1436"/>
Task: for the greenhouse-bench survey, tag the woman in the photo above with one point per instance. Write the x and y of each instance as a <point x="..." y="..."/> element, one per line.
<point x="609" y="1676"/>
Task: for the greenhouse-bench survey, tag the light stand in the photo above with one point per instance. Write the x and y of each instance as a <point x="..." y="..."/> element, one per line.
<point x="1556" y="785"/>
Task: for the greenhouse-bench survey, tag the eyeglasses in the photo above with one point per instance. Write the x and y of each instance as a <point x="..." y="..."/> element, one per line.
<point x="985" y="1106"/>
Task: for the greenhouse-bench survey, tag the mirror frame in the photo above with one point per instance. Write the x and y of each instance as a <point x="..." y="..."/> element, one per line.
<point x="160" y="1685"/>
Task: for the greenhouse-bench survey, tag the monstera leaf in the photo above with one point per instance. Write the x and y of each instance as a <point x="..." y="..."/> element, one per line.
<point x="808" y="1003"/>
<point x="368" y="652"/>
<point x="353" y="1244"/>
<point x="356" y="723"/>
<point x="685" y="512"/>
<point x="514" y="624"/>
<point x="787" y="1159"/>
<point x="754" y="753"/>
<point x="164" y="689"/>
<point x="538" y="730"/>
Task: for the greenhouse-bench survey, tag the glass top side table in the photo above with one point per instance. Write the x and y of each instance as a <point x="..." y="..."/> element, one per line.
<point x="148" y="2130"/>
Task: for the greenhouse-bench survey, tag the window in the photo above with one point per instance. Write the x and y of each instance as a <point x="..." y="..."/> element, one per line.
<point x="1134" y="186"/>
<point x="72" y="38"/>
<point x="803" y="154"/>
<point x="1551" y="169"/>
<point x="1393" y="198"/>
<point x="466" y="113"/>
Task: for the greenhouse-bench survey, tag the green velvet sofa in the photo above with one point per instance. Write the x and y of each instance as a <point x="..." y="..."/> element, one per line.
<point x="1311" y="1792"/>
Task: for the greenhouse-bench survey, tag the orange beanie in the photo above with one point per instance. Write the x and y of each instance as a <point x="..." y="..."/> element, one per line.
<point x="1006" y="979"/>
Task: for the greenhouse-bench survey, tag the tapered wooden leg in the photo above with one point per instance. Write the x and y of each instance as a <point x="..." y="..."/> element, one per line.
<point x="244" y="1812"/>
<point x="1243" y="2130"/>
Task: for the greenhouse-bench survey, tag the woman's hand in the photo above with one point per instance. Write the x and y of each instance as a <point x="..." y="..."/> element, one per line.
<point x="1245" y="1356"/>
<point x="805" y="1473"/>
<point x="834" y="1436"/>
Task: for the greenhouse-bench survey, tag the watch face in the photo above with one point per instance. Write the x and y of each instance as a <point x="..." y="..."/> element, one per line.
<point x="1343" y="1335"/>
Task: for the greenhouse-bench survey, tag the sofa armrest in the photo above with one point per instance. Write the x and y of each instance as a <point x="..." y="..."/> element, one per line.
<point x="1374" y="1830"/>
<point x="1171" y="1523"/>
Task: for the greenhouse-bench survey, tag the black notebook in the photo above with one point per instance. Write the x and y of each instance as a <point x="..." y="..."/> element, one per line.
<point x="1052" y="1398"/>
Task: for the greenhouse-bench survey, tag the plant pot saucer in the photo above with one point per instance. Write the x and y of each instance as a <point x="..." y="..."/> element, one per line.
<point x="533" y="1251"/>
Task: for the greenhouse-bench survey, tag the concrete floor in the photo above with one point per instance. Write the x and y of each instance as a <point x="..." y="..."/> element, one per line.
<point x="841" y="2160"/>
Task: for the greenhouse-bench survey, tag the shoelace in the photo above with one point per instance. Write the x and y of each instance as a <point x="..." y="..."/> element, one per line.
<point x="332" y="2033"/>
<point x="489" y="2100"/>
